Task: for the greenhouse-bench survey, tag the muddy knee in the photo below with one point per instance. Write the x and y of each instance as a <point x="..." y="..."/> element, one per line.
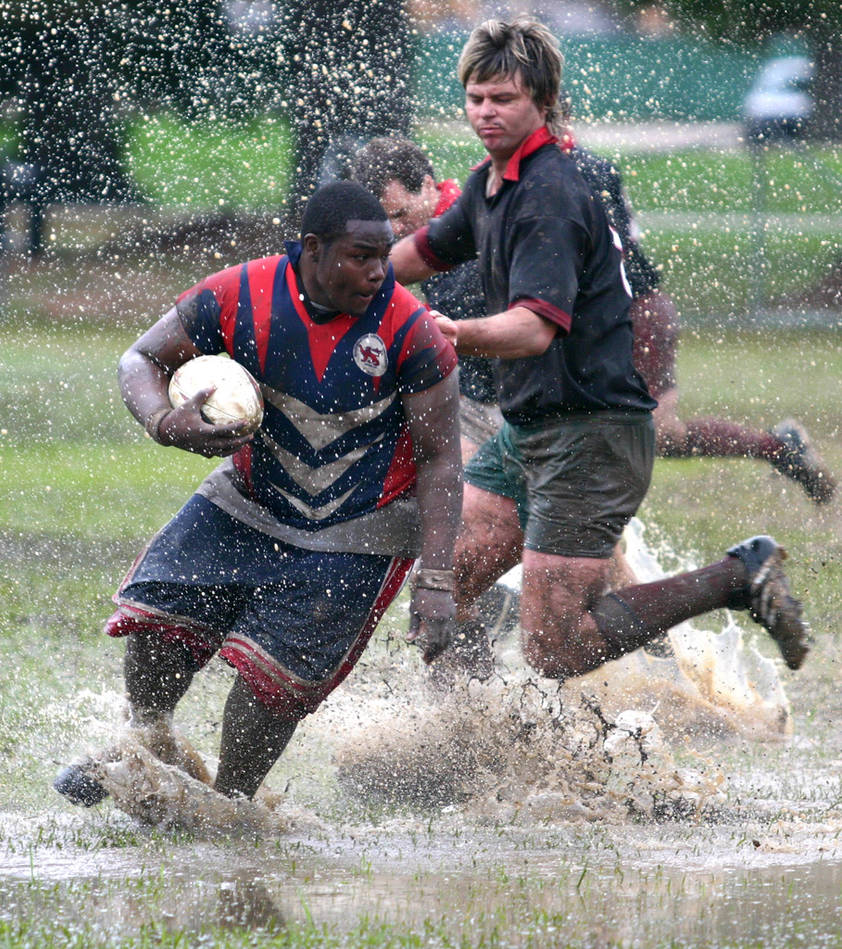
<point x="548" y="658"/>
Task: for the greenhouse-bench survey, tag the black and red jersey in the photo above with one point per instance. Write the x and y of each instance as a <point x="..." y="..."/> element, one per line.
<point x="543" y="241"/>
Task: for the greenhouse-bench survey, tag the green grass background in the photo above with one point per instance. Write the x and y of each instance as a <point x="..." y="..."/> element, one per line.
<point x="81" y="487"/>
<point x="709" y="265"/>
<point x="696" y="205"/>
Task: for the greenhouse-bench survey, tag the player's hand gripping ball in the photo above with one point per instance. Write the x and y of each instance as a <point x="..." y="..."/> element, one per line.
<point x="236" y="397"/>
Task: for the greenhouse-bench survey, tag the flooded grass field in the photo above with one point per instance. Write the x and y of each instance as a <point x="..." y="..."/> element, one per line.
<point x="524" y="815"/>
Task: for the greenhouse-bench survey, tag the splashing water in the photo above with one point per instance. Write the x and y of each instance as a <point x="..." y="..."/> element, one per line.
<point x="595" y="746"/>
<point x="515" y="747"/>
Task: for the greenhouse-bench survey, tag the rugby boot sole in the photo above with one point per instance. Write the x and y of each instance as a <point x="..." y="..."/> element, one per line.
<point x="767" y="597"/>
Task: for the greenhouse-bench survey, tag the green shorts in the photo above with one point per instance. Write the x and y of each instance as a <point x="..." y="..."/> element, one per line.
<point x="577" y="481"/>
<point x="479" y="421"/>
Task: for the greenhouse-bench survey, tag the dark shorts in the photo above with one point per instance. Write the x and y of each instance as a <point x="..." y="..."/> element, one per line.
<point x="292" y="621"/>
<point x="577" y="482"/>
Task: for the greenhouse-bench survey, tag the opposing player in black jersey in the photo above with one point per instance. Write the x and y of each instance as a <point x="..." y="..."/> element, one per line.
<point x="401" y="175"/>
<point x="573" y="458"/>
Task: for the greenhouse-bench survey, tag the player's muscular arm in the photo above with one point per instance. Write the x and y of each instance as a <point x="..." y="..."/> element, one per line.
<point x="146" y="367"/>
<point x="433" y="417"/>
<point x="144" y="375"/>
<point x="409" y="265"/>
<point x="513" y="334"/>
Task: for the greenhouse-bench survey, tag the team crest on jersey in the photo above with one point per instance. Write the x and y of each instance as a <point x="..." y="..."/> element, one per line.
<point x="370" y="354"/>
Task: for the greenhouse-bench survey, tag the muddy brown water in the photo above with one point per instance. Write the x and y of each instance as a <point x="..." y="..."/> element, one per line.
<point x="631" y="809"/>
<point x="621" y="885"/>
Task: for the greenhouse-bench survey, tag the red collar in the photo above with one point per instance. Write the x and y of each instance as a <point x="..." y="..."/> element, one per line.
<point x="449" y="191"/>
<point x="567" y="143"/>
<point x="539" y="138"/>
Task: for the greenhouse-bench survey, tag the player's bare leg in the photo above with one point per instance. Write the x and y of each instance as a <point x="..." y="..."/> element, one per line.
<point x="568" y="629"/>
<point x="489" y="544"/>
<point x="788" y="447"/>
<point x="253" y="738"/>
<point x="558" y="635"/>
<point x="157" y="675"/>
<point x="620" y="573"/>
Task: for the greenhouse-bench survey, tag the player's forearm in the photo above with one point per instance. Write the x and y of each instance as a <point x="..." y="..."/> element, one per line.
<point x="409" y="265"/>
<point x="433" y="417"/>
<point x="514" y="334"/>
<point x="146" y="367"/>
<point x="439" y="496"/>
<point x="143" y="385"/>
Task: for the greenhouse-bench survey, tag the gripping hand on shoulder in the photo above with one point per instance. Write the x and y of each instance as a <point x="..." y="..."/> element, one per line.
<point x="431" y="621"/>
<point x="185" y="427"/>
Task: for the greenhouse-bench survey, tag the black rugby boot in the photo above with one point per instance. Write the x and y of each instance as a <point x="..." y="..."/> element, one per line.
<point x="766" y="596"/>
<point x="78" y="785"/>
<point x="801" y="462"/>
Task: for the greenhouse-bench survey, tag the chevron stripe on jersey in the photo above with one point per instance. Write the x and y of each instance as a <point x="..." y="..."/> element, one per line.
<point x="334" y="442"/>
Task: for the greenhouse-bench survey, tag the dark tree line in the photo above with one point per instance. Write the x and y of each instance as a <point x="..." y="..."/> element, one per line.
<point x="339" y="69"/>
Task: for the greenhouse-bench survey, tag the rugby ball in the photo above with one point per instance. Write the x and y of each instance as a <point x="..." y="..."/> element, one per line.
<point x="236" y="398"/>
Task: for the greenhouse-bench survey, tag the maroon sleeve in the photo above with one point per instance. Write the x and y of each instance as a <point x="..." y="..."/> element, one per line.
<point x="552" y="313"/>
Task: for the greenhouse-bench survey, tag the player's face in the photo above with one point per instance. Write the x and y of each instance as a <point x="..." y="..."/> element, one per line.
<point x="409" y="210"/>
<point x="350" y="269"/>
<point x="502" y="114"/>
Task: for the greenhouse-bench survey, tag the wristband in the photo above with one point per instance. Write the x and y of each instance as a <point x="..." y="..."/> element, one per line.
<point x="153" y="423"/>
<point x="433" y="580"/>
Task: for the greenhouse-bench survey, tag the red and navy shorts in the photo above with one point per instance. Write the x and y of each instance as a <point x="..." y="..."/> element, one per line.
<point x="293" y="622"/>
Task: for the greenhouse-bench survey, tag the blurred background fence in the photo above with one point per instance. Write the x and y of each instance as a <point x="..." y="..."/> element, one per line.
<point x="739" y="232"/>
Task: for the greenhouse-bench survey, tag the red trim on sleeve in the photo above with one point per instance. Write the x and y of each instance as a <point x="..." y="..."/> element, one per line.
<point x="422" y="245"/>
<point x="552" y="313"/>
<point x="225" y="286"/>
<point x="261" y="280"/>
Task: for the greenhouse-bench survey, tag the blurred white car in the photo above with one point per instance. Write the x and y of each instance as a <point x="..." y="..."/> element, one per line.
<point x="779" y="102"/>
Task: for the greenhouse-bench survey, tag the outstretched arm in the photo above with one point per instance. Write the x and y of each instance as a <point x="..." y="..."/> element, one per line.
<point x="410" y="266"/>
<point x="513" y="334"/>
<point x="433" y="417"/>
<point x="144" y="374"/>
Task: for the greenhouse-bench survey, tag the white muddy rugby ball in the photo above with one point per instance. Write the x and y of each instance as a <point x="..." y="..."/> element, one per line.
<point x="237" y="396"/>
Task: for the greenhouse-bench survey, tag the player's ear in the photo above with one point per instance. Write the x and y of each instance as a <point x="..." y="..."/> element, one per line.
<point x="312" y="245"/>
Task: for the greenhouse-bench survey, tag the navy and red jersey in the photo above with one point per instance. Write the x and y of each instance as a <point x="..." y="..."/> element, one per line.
<point x="334" y="444"/>
<point x="543" y="242"/>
